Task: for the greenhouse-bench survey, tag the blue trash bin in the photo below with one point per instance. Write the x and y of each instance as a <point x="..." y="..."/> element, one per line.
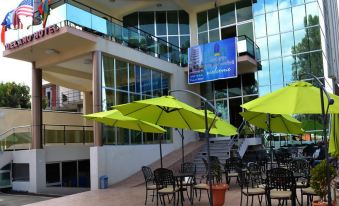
<point x="103" y="182"/>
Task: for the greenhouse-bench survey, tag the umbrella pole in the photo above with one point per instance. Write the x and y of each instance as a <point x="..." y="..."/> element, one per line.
<point x="182" y="144"/>
<point x="160" y="150"/>
<point x="208" y="155"/>
<point x="325" y="142"/>
<point x="269" y="135"/>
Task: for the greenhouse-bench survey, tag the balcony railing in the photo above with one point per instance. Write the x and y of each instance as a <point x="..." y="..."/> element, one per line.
<point x="20" y="138"/>
<point x="83" y="17"/>
<point x="247" y="46"/>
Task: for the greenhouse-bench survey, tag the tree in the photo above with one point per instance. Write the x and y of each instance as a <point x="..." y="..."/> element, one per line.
<point x="308" y="62"/>
<point x="14" y="95"/>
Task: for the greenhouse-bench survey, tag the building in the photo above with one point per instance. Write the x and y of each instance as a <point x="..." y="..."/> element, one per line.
<point x="119" y="51"/>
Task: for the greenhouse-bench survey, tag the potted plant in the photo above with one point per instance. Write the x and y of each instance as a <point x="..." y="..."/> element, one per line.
<point x="218" y="188"/>
<point x="319" y="183"/>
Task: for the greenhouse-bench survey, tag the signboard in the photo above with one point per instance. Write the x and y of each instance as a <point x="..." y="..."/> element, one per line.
<point x="212" y="61"/>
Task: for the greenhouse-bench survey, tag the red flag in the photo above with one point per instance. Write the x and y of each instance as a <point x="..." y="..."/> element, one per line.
<point x="3" y="30"/>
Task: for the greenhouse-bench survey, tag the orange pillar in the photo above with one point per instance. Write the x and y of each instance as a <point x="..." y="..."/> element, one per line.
<point x="36" y="108"/>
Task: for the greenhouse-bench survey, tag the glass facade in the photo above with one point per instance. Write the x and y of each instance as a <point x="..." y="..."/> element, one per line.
<point x="124" y="82"/>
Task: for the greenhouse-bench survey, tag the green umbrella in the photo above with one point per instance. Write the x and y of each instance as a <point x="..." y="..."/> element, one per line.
<point x="165" y="111"/>
<point x="116" y="119"/>
<point x="297" y="98"/>
<point x="279" y="123"/>
<point x="334" y="136"/>
<point x="221" y="126"/>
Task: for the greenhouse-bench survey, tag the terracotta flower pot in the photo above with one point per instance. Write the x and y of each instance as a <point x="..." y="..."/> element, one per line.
<point x="321" y="203"/>
<point x="219" y="192"/>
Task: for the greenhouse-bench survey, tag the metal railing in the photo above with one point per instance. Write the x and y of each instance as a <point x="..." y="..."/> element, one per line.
<point x="247" y="46"/>
<point x="20" y="138"/>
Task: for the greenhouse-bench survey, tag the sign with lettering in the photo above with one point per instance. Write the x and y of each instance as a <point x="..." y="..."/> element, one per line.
<point x="30" y="38"/>
<point x="212" y="61"/>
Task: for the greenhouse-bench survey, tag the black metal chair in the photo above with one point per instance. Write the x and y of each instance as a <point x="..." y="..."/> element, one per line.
<point x="230" y="168"/>
<point x="250" y="186"/>
<point x="149" y="181"/>
<point x="203" y="183"/>
<point x="280" y="185"/>
<point x="165" y="184"/>
<point x="190" y="169"/>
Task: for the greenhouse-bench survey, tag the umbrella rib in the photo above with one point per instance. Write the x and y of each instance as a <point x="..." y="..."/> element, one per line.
<point x="283" y="120"/>
<point x="148" y="105"/>
<point x="139" y="126"/>
<point x="159" y="116"/>
<point x="185" y="120"/>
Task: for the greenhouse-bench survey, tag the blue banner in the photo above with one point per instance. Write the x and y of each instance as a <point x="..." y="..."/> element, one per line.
<point x="212" y="61"/>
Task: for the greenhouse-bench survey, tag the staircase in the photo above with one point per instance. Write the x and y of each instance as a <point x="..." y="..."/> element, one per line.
<point x="219" y="147"/>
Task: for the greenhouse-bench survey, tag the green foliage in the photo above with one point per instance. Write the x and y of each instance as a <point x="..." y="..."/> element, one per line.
<point x="318" y="178"/>
<point x="216" y="173"/>
<point x="14" y="95"/>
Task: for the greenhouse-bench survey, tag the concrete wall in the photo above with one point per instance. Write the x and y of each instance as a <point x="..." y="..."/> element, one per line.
<point x="37" y="160"/>
<point x="12" y="117"/>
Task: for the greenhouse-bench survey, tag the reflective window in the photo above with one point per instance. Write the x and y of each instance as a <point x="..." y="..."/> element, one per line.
<point x="234" y="87"/>
<point x="146" y="83"/>
<point x="288" y="64"/>
<point x="316" y="61"/>
<point x="156" y="83"/>
<point x="273" y="27"/>
<point x="282" y="4"/>
<point x="302" y="64"/>
<point x="297" y="2"/>
<point x="249" y="84"/>
<point x="264" y="74"/>
<point x="213" y="21"/>
<point x="264" y="90"/>
<point x="173" y="40"/>
<point x="262" y="44"/>
<point x="301" y="41"/>
<point x="172" y="20"/>
<point x="244" y="10"/>
<point x="227" y="14"/>
<point x="203" y="38"/>
<point x="260" y="28"/>
<point x="222" y="107"/>
<point x="161" y="22"/>
<point x="147" y="22"/>
<point x="271" y="5"/>
<point x="274" y="46"/>
<point x="312" y="19"/>
<point x="184" y="22"/>
<point x="134" y="78"/>
<point x="121" y="75"/>
<point x="246" y="29"/>
<point x="276" y="71"/>
<point x="131" y="20"/>
<point x="258" y="7"/>
<point x="184" y="42"/>
<point x="202" y="21"/>
<point x="275" y="87"/>
<point x="285" y="17"/>
<point x="298" y="16"/>
<point x="314" y="38"/>
<point x="108" y="72"/>
<point x="214" y="35"/>
<point x="287" y="45"/>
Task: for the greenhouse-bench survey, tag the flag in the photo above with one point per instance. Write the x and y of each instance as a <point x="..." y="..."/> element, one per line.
<point x="25" y="8"/>
<point x="6" y="24"/>
<point x="44" y="10"/>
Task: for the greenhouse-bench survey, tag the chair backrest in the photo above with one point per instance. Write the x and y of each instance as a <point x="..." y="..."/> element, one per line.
<point x="254" y="173"/>
<point x="188" y="167"/>
<point x="281" y="179"/>
<point x="164" y="177"/>
<point x="148" y="174"/>
<point x="232" y="164"/>
<point x="300" y="166"/>
<point x="243" y="178"/>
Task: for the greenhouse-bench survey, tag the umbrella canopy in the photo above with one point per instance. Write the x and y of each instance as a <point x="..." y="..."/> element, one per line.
<point x="334" y="136"/>
<point x="297" y="98"/>
<point x="165" y="111"/>
<point x="116" y="119"/>
<point x="279" y="123"/>
<point x="221" y="126"/>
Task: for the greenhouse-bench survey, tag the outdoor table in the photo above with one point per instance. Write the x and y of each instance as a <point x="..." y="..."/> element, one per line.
<point x="181" y="178"/>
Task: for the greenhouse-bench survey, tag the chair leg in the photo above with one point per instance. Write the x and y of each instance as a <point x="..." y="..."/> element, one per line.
<point x="246" y="200"/>
<point x="146" y="196"/>
<point x="252" y="201"/>
<point x="200" y="195"/>
<point x="153" y="196"/>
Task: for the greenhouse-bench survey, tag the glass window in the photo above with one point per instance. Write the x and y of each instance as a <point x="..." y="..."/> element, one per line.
<point x="312" y="11"/>
<point x="147" y="22"/>
<point x="121" y="75"/>
<point x="69" y="174"/>
<point x="220" y="89"/>
<point x="184" y="42"/>
<point x="258" y="7"/>
<point x="161" y="22"/>
<point x="227" y="15"/>
<point x="53" y="174"/>
<point x="271" y="5"/>
<point x="122" y="136"/>
<point x="173" y="40"/>
<point x="131" y="20"/>
<point x="213" y="21"/>
<point x="165" y="84"/>
<point x="184" y="22"/>
<point x="108" y="98"/>
<point x="275" y="87"/>
<point x="20" y="172"/>
<point x="274" y="46"/>
<point x="262" y="44"/>
<point x="314" y="38"/>
<point x="297" y="2"/>
<point x="246" y="29"/>
<point x="285" y="19"/>
<point x="228" y="32"/>
<point x="172" y="20"/>
<point x="108" y="74"/>
<point x="234" y="110"/>
<point x="203" y="38"/>
<point x="244" y="10"/>
<point x="214" y="35"/>
<point x="284" y="4"/>
<point x="317" y="64"/>
<point x="156" y="83"/>
<point x="234" y="87"/>
<point x="273" y="25"/>
<point x="298" y="16"/>
<point x="249" y="84"/>
<point x="134" y="78"/>
<point x="264" y="90"/>
<point x="84" y="173"/>
<point x="287" y="45"/>
<point x="146" y="83"/>
<point x="276" y="71"/>
<point x="289" y="73"/>
<point x="303" y="63"/>
<point x="260" y="25"/>
<point x="301" y="41"/>
<point x="136" y="137"/>
<point x="222" y="107"/>
<point x="202" y="21"/>
<point x="264" y="74"/>
<point x="121" y="97"/>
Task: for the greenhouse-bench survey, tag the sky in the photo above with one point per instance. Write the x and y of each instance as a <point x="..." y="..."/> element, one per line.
<point x="10" y="69"/>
